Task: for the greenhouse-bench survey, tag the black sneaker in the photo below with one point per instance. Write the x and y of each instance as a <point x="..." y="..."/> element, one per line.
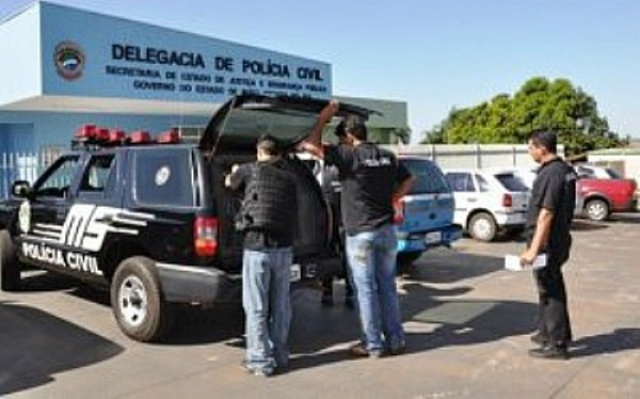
<point x="550" y="352"/>
<point x="539" y="339"/>
<point x="358" y="350"/>
<point x="398" y="350"/>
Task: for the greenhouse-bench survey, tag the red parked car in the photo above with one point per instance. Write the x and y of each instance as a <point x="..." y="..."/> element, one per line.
<point x="598" y="198"/>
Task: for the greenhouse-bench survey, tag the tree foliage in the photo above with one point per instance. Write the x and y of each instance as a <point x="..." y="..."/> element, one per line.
<point x="539" y="104"/>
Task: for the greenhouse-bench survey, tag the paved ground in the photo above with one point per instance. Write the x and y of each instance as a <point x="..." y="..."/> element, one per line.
<point x="467" y="322"/>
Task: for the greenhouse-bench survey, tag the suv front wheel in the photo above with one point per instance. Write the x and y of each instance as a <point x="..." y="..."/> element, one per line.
<point x="136" y="300"/>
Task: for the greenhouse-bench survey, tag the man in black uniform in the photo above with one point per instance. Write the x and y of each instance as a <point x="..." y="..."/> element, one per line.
<point x="550" y="212"/>
<point x="268" y="220"/>
<point x="372" y="180"/>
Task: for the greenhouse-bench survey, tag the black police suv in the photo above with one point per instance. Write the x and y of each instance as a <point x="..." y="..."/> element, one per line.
<point x="152" y="221"/>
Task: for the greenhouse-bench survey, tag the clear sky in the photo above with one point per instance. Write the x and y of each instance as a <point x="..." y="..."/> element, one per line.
<point x="433" y="54"/>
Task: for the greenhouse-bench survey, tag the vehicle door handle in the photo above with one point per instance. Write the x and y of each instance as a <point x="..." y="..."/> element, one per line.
<point x="472" y="199"/>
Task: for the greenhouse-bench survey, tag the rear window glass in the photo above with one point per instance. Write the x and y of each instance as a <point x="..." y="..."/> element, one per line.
<point x="512" y="182"/>
<point x="613" y="174"/>
<point x="164" y="178"/>
<point x="428" y="177"/>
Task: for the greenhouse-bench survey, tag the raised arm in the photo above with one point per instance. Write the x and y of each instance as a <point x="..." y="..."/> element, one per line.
<point x="313" y="143"/>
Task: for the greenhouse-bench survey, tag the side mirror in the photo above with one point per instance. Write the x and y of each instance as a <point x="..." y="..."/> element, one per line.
<point x="21" y="188"/>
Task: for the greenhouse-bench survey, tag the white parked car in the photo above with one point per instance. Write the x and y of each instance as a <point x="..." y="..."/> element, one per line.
<point x="488" y="202"/>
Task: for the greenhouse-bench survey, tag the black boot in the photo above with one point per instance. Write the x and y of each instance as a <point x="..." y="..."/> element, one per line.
<point x="556" y="352"/>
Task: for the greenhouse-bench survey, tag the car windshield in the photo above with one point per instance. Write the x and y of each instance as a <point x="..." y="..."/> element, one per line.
<point x="511" y="182"/>
<point x="428" y="178"/>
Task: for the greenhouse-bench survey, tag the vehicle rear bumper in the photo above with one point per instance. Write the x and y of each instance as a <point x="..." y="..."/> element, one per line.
<point x="200" y="285"/>
<point x="197" y="284"/>
<point x="629" y="205"/>
<point x="510" y="218"/>
<point x="420" y="242"/>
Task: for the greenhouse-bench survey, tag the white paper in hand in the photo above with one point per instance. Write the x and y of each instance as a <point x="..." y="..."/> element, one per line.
<point x="512" y="262"/>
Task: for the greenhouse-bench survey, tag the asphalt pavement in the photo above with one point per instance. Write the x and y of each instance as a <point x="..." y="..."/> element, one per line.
<point x="467" y="319"/>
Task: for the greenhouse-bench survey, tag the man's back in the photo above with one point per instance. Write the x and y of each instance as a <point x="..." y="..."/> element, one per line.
<point x="369" y="176"/>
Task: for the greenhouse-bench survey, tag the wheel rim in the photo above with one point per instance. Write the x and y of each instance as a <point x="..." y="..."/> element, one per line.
<point x="597" y="210"/>
<point x="132" y="300"/>
<point x="482" y="229"/>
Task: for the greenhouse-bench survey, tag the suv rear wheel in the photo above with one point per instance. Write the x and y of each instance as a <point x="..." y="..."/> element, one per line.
<point x="136" y="300"/>
<point x="482" y="227"/>
<point x="597" y="210"/>
<point x="9" y="266"/>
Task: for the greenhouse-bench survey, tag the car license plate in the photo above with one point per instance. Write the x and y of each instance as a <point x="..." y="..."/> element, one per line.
<point x="433" y="237"/>
<point x="295" y="273"/>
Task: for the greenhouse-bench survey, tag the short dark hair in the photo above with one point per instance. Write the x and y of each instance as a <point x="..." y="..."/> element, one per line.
<point x="269" y="144"/>
<point x="339" y="130"/>
<point x="355" y="126"/>
<point x="546" y="139"/>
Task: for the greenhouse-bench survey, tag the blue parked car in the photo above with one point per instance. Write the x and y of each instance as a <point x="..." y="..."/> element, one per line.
<point x="425" y="215"/>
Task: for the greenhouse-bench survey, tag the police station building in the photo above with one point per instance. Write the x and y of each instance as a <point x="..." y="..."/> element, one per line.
<point x="66" y="67"/>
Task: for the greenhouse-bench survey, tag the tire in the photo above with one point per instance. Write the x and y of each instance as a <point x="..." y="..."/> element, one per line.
<point x="9" y="265"/>
<point x="407" y="258"/>
<point x="482" y="227"/>
<point x="137" y="301"/>
<point x="597" y="210"/>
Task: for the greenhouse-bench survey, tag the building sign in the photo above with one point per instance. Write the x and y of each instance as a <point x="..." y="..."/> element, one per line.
<point x="158" y="69"/>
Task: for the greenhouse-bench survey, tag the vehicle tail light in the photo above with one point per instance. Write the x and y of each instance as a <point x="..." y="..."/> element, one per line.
<point x="205" y="236"/>
<point x="507" y="200"/>
<point x="398" y="212"/>
<point x="170" y="137"/>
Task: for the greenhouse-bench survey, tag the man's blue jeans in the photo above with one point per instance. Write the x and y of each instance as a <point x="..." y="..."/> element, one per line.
<point x="372" y="262"/>
<point x="267" y="306"/>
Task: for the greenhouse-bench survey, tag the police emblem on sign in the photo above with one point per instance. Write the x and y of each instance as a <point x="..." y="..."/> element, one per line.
<point x="69" y="60"/>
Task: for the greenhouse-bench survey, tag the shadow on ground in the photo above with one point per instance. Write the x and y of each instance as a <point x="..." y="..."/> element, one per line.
<point x="627" y="217"/>
<point x="455" y="323"/>
<point x="37" y="345"/>
<point x="619" y="340"/>
<point x="448" y="266"/>
<point x="586" y="225"/>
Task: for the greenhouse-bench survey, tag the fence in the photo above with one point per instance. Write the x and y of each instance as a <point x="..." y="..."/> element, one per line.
<point x="24" y="166"/>
<point x="472" y="155"/>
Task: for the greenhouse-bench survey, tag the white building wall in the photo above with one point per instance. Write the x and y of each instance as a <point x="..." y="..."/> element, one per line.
<point x="21" y="69"/>
<point x="631" y="163"/>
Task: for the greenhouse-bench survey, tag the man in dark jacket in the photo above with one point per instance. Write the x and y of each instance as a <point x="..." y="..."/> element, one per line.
<point x="550" y="212"/>
<point x="268" y="220"/>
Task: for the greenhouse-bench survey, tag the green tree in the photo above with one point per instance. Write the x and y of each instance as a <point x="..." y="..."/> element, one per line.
<point x="539" y="104"/>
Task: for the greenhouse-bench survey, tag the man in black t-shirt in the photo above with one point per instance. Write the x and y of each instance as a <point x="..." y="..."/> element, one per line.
<point x="372" y="180"/>
<point x="550" y="213"/>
